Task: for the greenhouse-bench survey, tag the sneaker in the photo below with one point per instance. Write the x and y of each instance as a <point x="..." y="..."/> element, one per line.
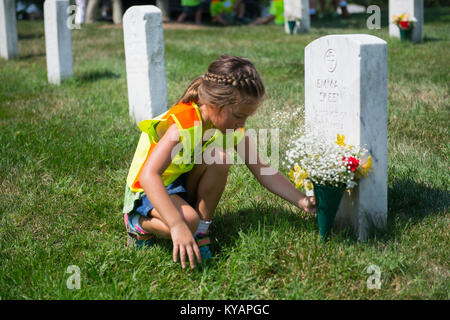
<point x="136" y="237"/>
<point x="203" y="243"/>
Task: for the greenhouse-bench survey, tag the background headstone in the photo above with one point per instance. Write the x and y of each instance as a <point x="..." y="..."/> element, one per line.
<point x="414" y="8"/>
<point x="346" y="93"/>
<point x="93" y="8"/>
<point x="58" y="41"/>
<point x="80" y="14"/>
<point x="295" y="10"/>
<point x="9" y="42"/>
<point x="144" y="53"/>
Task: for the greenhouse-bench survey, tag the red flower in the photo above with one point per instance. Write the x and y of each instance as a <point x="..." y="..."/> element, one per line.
<point x="351" y="162"/>
<point x="404" y="24"/>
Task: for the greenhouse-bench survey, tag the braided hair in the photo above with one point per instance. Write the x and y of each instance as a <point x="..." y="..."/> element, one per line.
<point x="229" y="81"/>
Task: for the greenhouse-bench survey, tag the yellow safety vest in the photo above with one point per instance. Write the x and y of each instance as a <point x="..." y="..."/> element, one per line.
<point x="188" y="120"/>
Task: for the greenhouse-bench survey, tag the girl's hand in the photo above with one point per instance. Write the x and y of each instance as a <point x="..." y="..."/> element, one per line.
<point x="308" y="204"/>
<point x="184" y="243"/>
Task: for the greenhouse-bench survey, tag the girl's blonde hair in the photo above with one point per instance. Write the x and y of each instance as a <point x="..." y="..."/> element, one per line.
<point x="229" y="81"/>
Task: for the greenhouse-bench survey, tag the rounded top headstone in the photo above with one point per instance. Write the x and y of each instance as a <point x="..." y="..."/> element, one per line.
<point x="360" y="39"/>
<point x="149" y="13"/>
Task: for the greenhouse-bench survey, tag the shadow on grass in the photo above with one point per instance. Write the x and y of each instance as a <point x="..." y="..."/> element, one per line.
<point x="430" y="39"/>
<point x="33" y="55"/>
<point x="414" y="201"/>
<point x="409" y="203"/>
<point x="30" y="36"/>
<point x="226" y="227"/>
<point x="92" y="76"/>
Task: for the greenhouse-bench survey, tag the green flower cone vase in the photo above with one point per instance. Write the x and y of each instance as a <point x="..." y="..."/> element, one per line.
<point x="327" y="205"/>
<point x="405" y="34"/>
<point x="291" y="25"/>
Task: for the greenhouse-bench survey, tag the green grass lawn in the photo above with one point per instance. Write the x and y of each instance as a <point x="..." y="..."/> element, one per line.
<point x="65" y="153"/>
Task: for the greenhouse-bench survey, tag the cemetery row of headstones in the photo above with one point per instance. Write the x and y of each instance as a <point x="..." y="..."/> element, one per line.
<point x="296" y="21"/>
<point x="345" y="89"/>
<point x="345" y="93"/>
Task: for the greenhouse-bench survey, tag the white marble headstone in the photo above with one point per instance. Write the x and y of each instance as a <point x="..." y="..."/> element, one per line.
<point x="346" y="93"/>
<point x="9" y="44"/>
<point x="144" y="53"/>
<point x="414" y="8"/>
<point x="58" y="41"/>
<point x="297" y="10"/>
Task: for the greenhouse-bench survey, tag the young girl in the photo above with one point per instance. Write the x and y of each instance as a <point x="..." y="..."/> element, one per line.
<point x="169" y="197"/>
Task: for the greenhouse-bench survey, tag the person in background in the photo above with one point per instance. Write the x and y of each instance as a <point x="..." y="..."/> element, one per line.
<point x="92" y="10"/>
<point x="193" y="7"/>
<point x="252" y="10"/>
<point x="343" y="6"/>
<point x="190" y="7"/>
<point x="336" y="3"/>
<point x="164" y="6"/>
<point x="227" y="12"/>
<point x="313" y="9"/>
<point x="26" y="10"/>
<point x="276" y="14"/>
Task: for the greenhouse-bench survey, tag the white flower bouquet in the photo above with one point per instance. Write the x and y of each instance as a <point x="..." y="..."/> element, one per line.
<point x="328" y="168"/>
<point x="315" y="160"/>
<point x="406" y="24"/>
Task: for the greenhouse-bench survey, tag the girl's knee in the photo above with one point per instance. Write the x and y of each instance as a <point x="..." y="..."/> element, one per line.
<point x="189" y="214"/>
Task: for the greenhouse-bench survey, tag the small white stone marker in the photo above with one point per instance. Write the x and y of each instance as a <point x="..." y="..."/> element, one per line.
<point x="294" y="10"/>
<point x="144" y="53"/>
<point x="9" y="42"/>
<point x="58" y="41"/>
<point x="346" y="93"/>
<point x="414" y="8"/>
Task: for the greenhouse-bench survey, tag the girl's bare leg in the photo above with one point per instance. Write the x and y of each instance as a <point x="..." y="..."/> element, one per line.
<point x="221" y="20"/>
<point x="182" y="17"/>
<point x="198" y="16"/>
<point x="157" y="226"/>
<point x="205" y="185"/>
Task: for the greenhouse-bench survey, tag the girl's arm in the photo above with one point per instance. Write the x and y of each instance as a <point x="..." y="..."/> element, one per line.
<point x="151" y="182"/>
<point x="272" y="179"/>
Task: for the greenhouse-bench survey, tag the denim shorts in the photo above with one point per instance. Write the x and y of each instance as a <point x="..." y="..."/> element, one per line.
<point x="178" y="187"/>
